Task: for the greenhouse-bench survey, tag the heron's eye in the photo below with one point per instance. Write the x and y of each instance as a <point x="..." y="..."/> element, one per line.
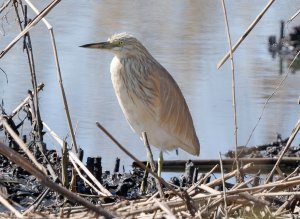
<point x="121" y="43"/>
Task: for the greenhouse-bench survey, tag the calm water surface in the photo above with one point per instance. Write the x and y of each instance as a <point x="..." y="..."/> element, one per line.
<point x="188" y="38"/>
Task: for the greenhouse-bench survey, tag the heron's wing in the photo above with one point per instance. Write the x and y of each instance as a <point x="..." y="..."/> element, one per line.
<point x="175" y="116"/>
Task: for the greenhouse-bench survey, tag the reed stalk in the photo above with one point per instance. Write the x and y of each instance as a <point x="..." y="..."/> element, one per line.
<point x="59" y="76"/>
<point x="152" y="164"/>
<point x="246" y="33"/>
<point x="239" y="176"/>
<point x="5" y="5"/>
<point x="223" y="185"/>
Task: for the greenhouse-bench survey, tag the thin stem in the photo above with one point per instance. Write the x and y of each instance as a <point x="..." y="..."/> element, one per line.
<point x="281" y="83"/>
<point x="28" y="47"/>
<point x="293" y="17"/>
<point x="233" y="89"/>
<point x="224" y="187"/>
<point x="63" y="93"/>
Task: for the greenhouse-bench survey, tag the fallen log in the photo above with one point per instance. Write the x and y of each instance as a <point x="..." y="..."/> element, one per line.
<point x="265" y="165"/>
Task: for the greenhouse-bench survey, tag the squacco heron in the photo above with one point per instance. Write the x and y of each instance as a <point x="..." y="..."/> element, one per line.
<point x="149" y="97"/>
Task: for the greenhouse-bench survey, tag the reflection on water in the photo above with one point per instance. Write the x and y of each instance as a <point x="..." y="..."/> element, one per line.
<point x="188" y="38"/>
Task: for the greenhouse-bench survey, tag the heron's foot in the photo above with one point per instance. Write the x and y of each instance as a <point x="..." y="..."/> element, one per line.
<point x="160" y="163"/>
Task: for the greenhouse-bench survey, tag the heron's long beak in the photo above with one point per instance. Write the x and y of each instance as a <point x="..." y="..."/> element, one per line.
<point x="102" y="45"/>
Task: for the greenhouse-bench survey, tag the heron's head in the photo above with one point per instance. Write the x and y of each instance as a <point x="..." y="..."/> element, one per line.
<point x="121" y="44"/>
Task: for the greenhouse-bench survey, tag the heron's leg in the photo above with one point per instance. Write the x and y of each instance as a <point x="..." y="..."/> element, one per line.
<point x="160" y="163"/>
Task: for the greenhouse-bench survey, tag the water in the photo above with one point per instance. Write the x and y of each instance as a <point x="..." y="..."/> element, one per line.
<point x="188" y="38"/>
